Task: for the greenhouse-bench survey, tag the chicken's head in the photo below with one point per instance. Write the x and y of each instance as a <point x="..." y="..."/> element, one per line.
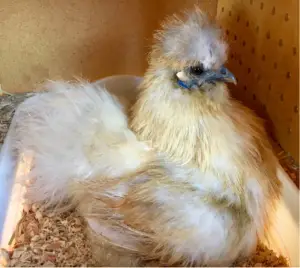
<point x="192" y="52"/>
<point x="184" y="92"/>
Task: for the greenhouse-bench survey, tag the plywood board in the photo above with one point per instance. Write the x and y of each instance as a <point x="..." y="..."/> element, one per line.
<point x="264" y="55"/>
<point x="52" y="39"/>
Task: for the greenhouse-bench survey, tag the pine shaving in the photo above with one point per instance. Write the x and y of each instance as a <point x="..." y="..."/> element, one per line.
<point x="60" y="241"/>
<point x="50" y="240"/>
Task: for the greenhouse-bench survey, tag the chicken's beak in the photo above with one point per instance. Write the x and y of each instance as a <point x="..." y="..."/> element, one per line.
<point x="208" y="76"/>
<point x="223" y="75"/>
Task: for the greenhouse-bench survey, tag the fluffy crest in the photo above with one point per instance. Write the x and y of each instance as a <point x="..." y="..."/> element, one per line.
<point x="192" y="37"/>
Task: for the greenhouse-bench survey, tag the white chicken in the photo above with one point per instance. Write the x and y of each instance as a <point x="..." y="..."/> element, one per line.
<point x="203" y="196"/>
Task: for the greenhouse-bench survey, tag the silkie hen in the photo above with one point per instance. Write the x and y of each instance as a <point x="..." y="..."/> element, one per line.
<point x="193" y="182"/>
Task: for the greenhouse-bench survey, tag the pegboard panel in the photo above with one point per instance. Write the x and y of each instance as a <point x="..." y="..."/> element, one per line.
<point x="263" y="37"/>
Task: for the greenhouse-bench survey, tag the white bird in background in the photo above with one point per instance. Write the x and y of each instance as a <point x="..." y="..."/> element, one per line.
<point x="192" y="181"/>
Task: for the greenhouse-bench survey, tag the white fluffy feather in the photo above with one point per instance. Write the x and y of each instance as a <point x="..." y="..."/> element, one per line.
<point x="75" y="132"/>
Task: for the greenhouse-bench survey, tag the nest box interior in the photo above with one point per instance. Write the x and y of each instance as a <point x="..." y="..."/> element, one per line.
<point x="54" y="39"/>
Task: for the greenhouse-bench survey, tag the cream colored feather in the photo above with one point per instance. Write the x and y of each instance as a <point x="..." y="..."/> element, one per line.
<point x="75" y="132"/>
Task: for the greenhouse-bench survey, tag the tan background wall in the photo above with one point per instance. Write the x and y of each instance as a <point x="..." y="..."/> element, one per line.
<point x="41" y="39"/>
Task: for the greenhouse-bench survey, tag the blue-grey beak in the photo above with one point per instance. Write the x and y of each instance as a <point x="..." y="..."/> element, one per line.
<point x="207" y="76"/>
<point x="223" y="75"/>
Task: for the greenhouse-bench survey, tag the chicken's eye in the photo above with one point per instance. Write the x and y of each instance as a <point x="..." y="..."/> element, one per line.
<point x="196" y="70"/>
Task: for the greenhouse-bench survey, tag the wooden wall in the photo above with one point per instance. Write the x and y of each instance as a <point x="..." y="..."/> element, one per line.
<point x="41" y="39"/>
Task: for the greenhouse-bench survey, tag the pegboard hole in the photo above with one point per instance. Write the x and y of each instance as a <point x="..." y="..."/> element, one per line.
<point x="273" y="11"/>
<point x="281" y="97"/>
<point x="268" y="35"/>
<point x="296" y="109"/>
<point x="227" y="32"/>
<point x="286" y="17"/>
<point x="222" y="9"/>
<point x="240" y="62"/>
<point x="280" y="42"/>
<point x="238" y="18"/>
<point x="244" y="43"/>
<point x="247" y="23"/>
<point x="253" y="50"/>
<point x="288" y="75"/>
<point x="251" y="2"/>
<point x="294" y="51"/>
<point x="263" y="57"/>
<point x="275" y="65"/>
<point x="235" y="37"/>
<point x="257" y="29"/>
<point x="262" y="5"/>
<point x="245" y="88"/>
<point x="231" y="56"/>
<point x="249" y="70"/>
<point x="289" y="130"/>
<point x="229" y="13"/>
<point x="269" y="87"/>
<point x="254" y="97"/>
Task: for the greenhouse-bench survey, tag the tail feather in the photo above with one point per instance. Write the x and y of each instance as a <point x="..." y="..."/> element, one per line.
<point x="74" y="132"/>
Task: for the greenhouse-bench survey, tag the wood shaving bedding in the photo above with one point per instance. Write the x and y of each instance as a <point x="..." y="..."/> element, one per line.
<point x="50" y="240"/>
<point x="8" y="105"/>
<point x="60" y="241"/>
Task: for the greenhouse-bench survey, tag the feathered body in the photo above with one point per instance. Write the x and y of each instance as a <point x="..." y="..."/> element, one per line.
<point x="237" y="185"/>
<point x="203" y="196"/>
